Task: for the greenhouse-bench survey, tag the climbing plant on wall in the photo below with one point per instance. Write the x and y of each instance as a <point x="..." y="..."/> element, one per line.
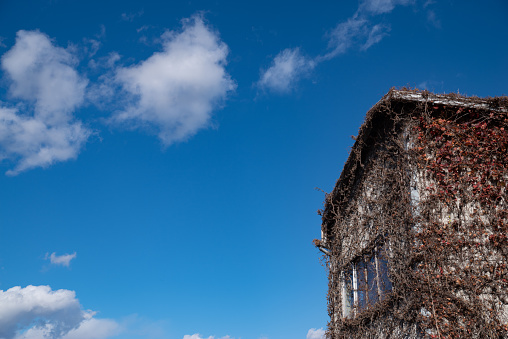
<point x="448" y="248"/>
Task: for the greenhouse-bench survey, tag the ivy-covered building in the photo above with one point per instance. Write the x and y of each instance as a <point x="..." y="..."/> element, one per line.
<point x="414" y="233"/>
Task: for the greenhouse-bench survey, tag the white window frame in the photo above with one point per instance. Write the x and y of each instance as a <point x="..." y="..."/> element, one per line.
<point x="348" y="310"/>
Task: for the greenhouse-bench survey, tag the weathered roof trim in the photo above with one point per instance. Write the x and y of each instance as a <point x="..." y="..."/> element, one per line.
<point x="443" y="99"/>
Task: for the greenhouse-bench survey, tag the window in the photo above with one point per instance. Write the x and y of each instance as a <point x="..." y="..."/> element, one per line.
<point x="365" y="283"/>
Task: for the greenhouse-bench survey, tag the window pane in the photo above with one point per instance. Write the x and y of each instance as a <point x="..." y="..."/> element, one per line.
<point x="372" y="281"/>
<point x="362" y="286"/>
<point x="385" y="284"/>
<point x="347" y="293"/>
<point x="365" y="283"/>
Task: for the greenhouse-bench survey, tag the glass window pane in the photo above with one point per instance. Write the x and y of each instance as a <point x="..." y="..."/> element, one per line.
<point x="347" y="293"/>
<point x="364" y="283"/>
<point x="385" y="284"/>
<point x="372" y="281"/>
<point x="362" y="286"/>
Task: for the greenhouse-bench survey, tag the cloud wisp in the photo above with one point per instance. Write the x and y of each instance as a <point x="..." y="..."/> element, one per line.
<point x="176" y="90"/>
<point x="376" y="7"/>
<point x="131" y="16"/>
<point x="41" y="129"/>
<point x="358" y="31"/>
<point x="198" y="336"/>
<point x="314" y="333"/>
<point x="37" y="312"/>
<point x="63" y="260"/>
<point x="286" y="69"/>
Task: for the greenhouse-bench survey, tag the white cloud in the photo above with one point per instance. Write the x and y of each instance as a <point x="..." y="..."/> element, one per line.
<point x="316" y="333"/>
<point x="92" y="328"/>
<point x="376" y="33"/>
<point x="35" y="143"/>
<point x="106" y="62"/>
<point x="44" y="74"/>
<point x="344" y="36"/>
<point x="39" y="312"/>
<point x="91" y="46"/>
<point x="19" y="307"/>
<point x="432" y="18"/>
<point x="381" y="6"/>
<point x="44" y="131"/>
<point x="431" y="85"/>
<point x="64" y="259"/>
<point x="357" y="31"/>
<point x="286" y="69"/>
<point x="131" y="16"/>
<point x="176" y="90"/>
<point x="198" y="336"/>
<point x="422" y="85"/>
<point x="428" y="3"/>
<point x="89" y="328"/>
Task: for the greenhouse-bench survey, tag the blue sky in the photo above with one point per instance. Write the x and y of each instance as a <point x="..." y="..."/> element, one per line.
<point x="161" y="160"/>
